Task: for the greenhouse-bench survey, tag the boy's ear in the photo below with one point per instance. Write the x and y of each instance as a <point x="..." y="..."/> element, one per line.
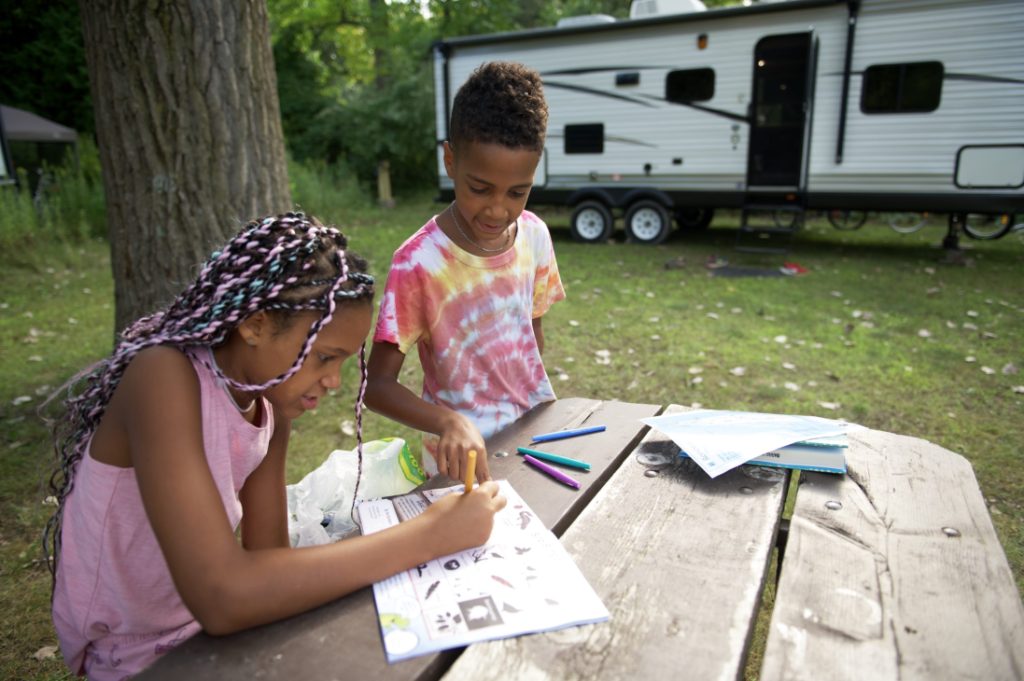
<point x="449" y="160"/>
<point x="255" y="327"/>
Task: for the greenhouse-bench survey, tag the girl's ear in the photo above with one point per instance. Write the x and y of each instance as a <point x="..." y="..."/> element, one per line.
<point x="255" y="328"/>
<point x="449" y="160"/>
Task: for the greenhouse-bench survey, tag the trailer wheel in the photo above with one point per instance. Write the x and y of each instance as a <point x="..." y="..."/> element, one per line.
<point x="987" y="227"/>
<point x="591" y="222"/>
<point x="693" y="219"/>
<point x="847" y="219"/>
<point x="647" y="222"/>
<point x="906" y="222"/>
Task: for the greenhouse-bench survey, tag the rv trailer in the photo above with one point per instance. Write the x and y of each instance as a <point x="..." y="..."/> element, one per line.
<point x="833" y="105"/>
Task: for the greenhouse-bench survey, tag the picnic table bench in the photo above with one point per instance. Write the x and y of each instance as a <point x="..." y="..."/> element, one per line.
<point x="892" y="571"/>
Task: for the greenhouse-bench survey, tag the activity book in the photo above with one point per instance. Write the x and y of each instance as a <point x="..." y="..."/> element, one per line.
<point x="719" y="441"/>
<point x="521" y="581"/>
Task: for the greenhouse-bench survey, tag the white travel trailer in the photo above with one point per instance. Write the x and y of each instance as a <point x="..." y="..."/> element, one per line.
<point x="842" y="105"/>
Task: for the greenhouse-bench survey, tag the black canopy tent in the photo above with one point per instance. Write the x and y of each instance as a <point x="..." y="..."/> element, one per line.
<point x="29" y="140"/>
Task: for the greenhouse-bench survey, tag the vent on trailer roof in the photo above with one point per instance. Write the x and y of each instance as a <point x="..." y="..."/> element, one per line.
<point x="640" y="9"/>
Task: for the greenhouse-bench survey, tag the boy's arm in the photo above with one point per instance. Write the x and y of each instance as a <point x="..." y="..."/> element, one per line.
<point x="385" y="395"/>
<point x="538" y="332"/>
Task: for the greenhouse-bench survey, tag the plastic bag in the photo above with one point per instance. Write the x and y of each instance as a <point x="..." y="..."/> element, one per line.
<point x="320" y="505"/>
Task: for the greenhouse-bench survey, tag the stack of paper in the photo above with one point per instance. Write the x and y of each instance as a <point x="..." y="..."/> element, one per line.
<point x="721" y="440"/>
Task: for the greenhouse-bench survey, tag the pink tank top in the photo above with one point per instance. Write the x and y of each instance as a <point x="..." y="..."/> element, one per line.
<point x="115" y="606"/>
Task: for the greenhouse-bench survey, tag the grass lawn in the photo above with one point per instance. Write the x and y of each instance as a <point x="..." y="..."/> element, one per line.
<point x="883" y="330"/>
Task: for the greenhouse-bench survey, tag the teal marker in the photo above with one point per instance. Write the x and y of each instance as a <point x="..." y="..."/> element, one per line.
<point x="554" y="458"/>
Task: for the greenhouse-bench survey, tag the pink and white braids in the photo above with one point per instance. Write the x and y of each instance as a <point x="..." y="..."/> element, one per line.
<point x="284" y="264"/>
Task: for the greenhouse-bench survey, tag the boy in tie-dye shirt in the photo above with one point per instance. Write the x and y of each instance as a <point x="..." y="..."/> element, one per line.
<point x="468" y="289"/>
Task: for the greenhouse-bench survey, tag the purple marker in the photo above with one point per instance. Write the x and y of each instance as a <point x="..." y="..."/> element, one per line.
<point x="553" y="472"/>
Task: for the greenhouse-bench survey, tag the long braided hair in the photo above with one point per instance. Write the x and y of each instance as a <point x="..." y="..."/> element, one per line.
<point x="284" y="264"/>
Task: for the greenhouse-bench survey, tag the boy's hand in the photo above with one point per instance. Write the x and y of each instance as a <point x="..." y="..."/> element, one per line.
<point x="457" y="437"/>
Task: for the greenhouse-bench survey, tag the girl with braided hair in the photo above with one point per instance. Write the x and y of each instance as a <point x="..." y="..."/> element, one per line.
<point x="179" y="439"/>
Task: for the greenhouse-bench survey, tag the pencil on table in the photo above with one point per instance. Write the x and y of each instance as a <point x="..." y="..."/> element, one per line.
<point x="470" y="470"/>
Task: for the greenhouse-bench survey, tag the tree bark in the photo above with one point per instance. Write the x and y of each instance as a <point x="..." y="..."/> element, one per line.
<point x="189" y="133"/>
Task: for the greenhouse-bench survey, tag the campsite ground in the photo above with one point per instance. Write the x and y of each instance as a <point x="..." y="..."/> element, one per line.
<point x="884" y="329"/>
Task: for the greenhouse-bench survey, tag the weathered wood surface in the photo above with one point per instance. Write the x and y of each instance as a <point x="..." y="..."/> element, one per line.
<point x="906" y="580"/>
<point x="679" y="560"/>
<point x="341" y="640"/>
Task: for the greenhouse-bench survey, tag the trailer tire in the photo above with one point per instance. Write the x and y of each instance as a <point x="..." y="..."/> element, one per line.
<point x="694" y="219"/>
<point x="591" y="222"/>
<point x="847" y="219"/>
<point x="987" y="227"/>
<point x="647" y="222"/>
<point x="906" y="222"/>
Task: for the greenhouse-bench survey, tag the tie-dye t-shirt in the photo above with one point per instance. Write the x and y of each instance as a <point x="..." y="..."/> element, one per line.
<point x="471" y="319"/>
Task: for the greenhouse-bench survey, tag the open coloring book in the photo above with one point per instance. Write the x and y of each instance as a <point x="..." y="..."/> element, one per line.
<point x="521" y="581"/>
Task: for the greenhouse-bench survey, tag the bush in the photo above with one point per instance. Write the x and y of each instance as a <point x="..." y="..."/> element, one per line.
<point x="67" y="205"/>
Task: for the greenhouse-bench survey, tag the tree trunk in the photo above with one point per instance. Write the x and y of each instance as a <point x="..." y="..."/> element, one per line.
<point x="189" y="134"/>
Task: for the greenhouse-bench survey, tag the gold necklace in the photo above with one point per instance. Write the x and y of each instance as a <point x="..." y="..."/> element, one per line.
<point x="455" y="217"/>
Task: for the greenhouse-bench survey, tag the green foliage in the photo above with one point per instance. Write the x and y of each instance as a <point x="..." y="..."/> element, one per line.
<point x="67" y="206"/>
<point x="356" y="79"/>
<point x="43" y="61"/>
<point x="331" y="193"/>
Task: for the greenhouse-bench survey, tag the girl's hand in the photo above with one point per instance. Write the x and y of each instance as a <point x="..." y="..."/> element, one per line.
<point x="457" y="437"/>
<point x="462" y="521"/>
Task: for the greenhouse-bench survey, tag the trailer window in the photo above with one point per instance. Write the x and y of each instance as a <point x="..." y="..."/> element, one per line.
<point x="690" y="85"/>
<point x="902" y="88"/>
<point x="585" y="138"/>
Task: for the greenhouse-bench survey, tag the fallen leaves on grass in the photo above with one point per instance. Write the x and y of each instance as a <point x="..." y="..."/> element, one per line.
<point x="21" y="399"/>
<point x="603" y="357"/>
<point x="348" y="428"/>
<point x="829" y="405"/>
<point x="45" y="653"/>
<point x="924" y="333"/>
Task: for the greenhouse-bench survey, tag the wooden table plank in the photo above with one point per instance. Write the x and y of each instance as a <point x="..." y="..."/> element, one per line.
<point x="341" y="640"/>
<point x="878" y="588"/>
<point x="679" y="560"/>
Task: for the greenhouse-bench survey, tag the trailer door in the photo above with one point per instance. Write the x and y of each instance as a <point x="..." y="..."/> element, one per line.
<point x="779" y="112"/>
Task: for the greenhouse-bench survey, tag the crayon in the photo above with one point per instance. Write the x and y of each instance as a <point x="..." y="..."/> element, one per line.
<point x="555" y="458"/>
<point x="553" y="472"/>
<point x="470" y="470"/>
<point x="562" y="434"/>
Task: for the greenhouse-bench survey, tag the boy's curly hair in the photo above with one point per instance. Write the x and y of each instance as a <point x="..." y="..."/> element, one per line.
<point x="500" y="103"/>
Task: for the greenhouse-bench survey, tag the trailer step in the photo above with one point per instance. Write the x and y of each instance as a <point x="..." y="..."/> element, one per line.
<point x="766" y="239"/>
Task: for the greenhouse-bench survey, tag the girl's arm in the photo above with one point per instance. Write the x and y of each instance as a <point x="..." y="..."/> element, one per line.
<point x="263" y="496"/>
<point x="228" y="587"/>
<point x="458" y="435"/>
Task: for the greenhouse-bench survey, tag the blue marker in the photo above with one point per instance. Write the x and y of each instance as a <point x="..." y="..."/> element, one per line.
<point x="562" y="434"/>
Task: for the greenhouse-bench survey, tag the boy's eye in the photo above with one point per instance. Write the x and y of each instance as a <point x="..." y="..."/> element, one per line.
<point x="478" y="190"/>
<point x="323" y="358"/>
<point x="517" y="194"/>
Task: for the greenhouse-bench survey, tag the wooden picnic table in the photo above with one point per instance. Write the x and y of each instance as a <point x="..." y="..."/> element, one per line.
<point x="892" y="571"/>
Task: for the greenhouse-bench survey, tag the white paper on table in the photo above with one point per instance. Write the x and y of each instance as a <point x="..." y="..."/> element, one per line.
<point x="722" y="440"/>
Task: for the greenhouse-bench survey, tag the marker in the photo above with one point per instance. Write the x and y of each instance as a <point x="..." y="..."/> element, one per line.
<point x="553" y="472"/>
<point x="562" y="434"/>
<point x="470" y="470"/>
<point x="554" y="458"/>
